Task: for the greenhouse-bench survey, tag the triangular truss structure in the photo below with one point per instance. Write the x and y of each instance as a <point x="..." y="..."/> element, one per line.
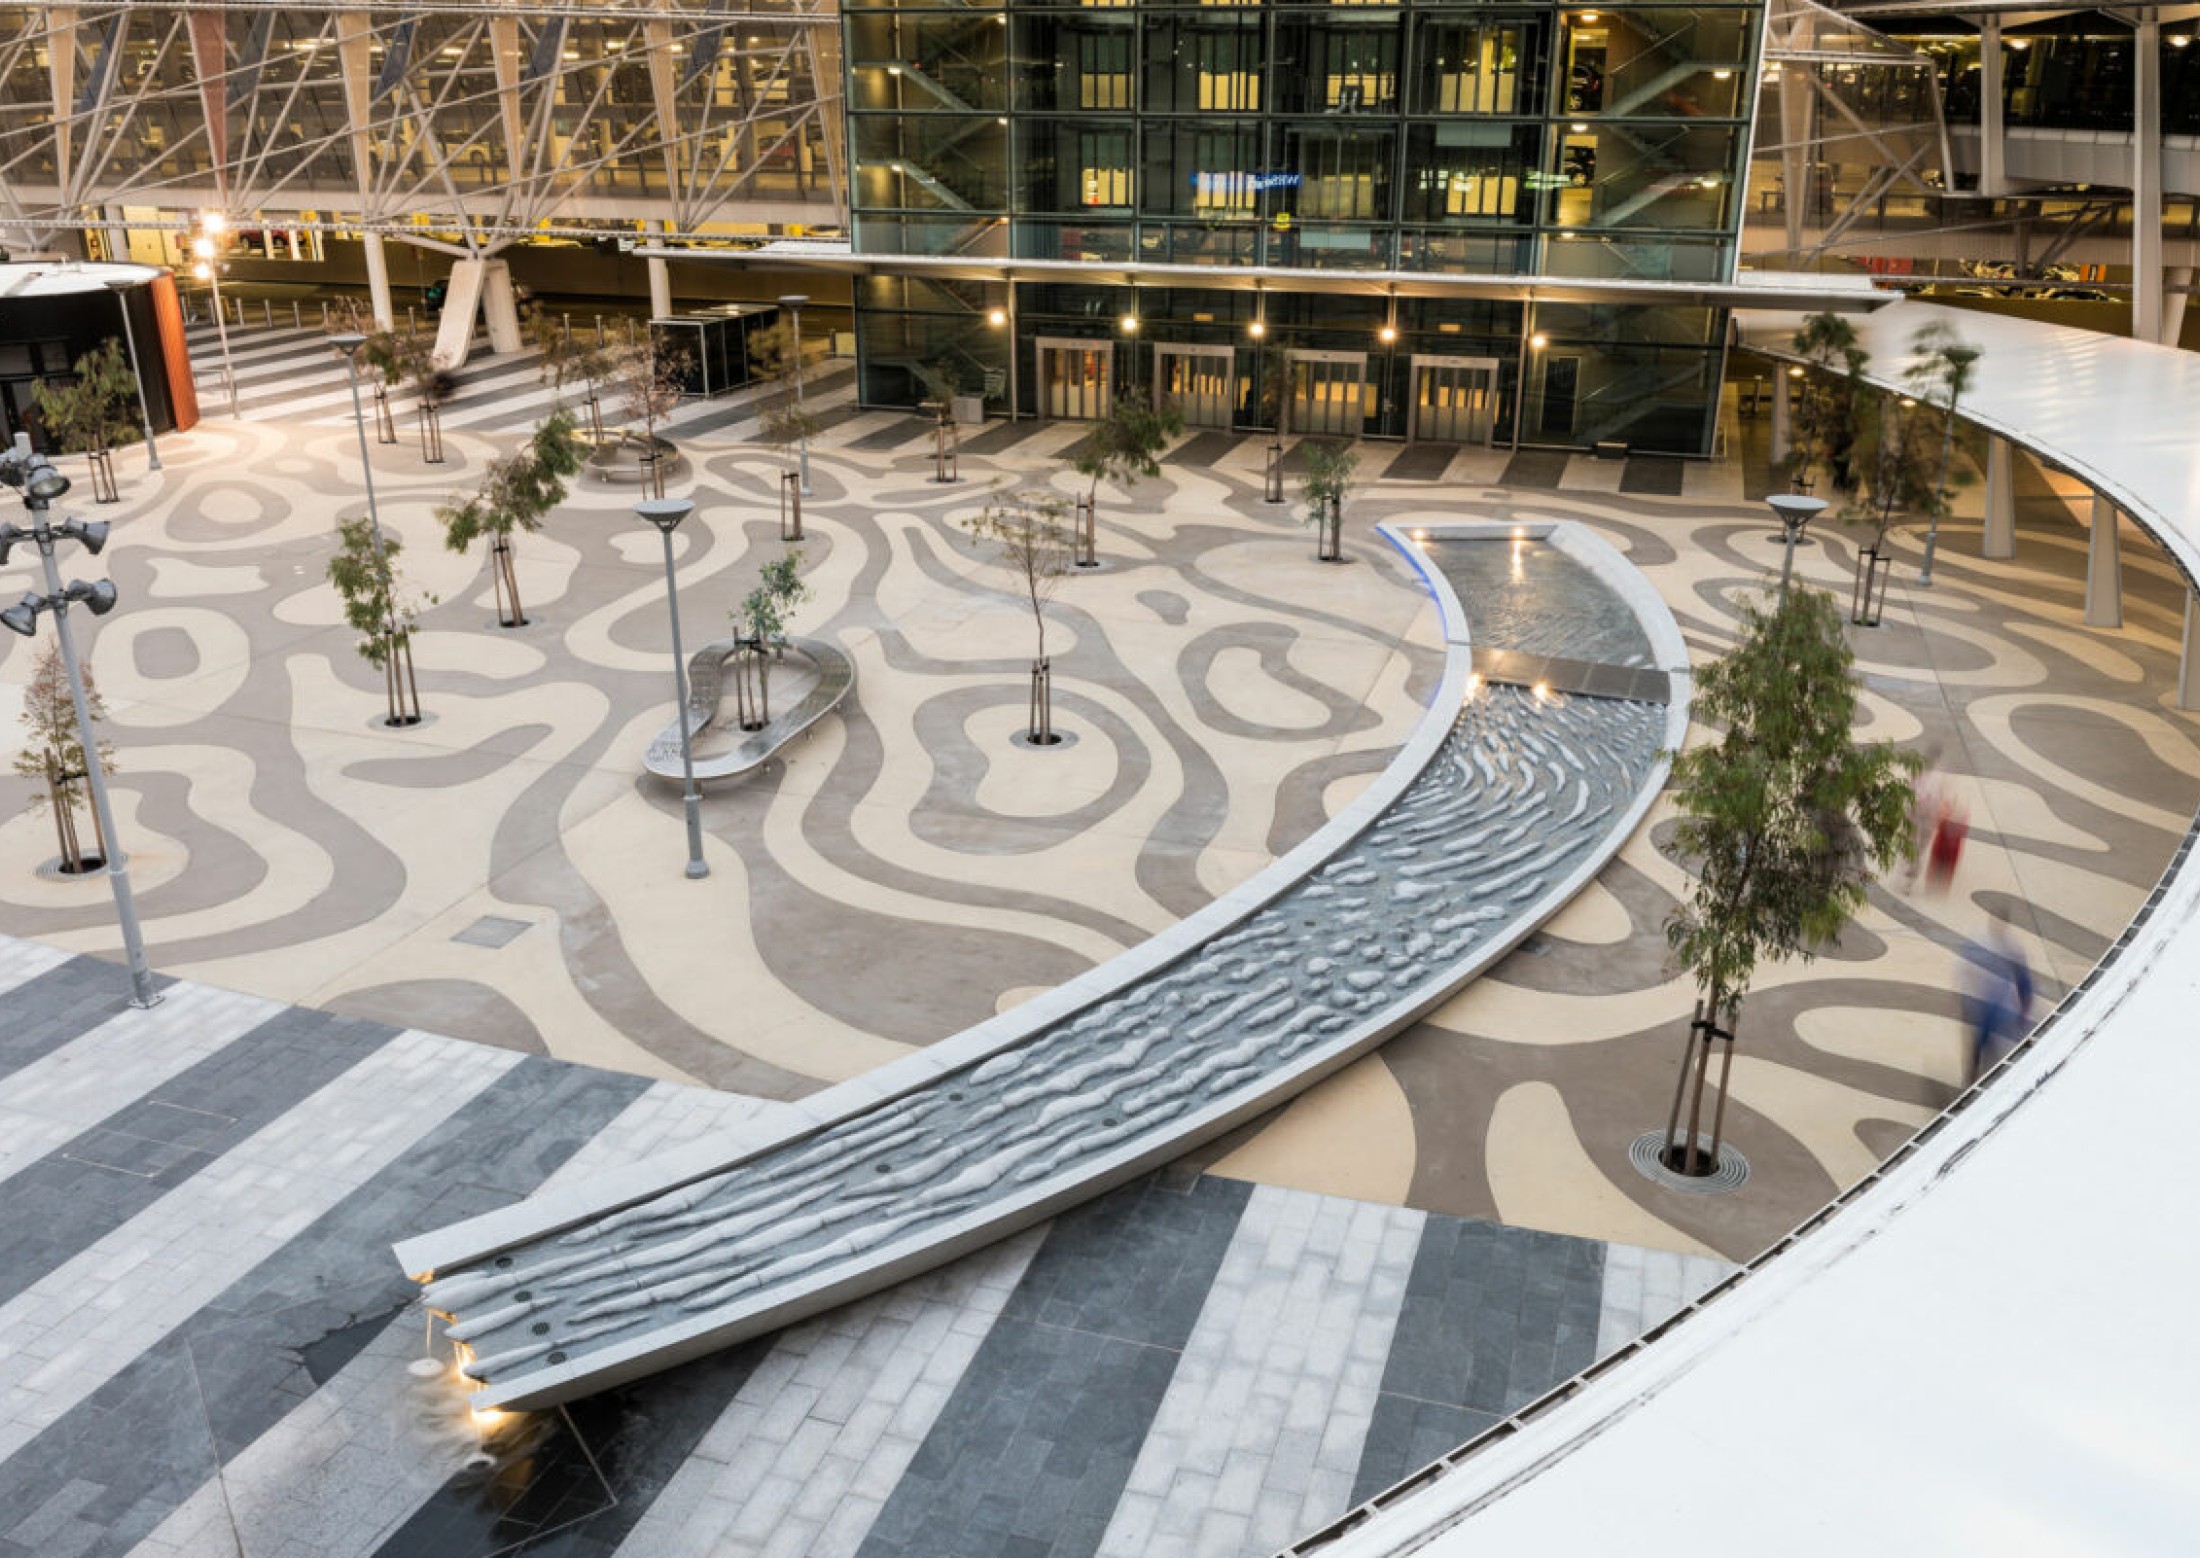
<point x="1843" y="108"/>
<point x="483" y="118"/>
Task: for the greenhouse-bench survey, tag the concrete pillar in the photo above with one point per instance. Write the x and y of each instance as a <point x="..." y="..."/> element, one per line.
<point x="2188" y="670"/>
<point x="378" y="283"/>
<point x="2146" y="179"/>
<point x="2104" y="569"/>
<point x="2173" y="303"/>
<point x="1993" y="138"/>
<point x="1783" y="414"/>
<point x="500" y="308"/>
<point x="2001" y="500"/>
<point x="660" y="285"/>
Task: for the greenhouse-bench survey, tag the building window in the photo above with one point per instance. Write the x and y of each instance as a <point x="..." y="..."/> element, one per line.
<point x="1104" y="70"/>
<point x="1104" y="168"/>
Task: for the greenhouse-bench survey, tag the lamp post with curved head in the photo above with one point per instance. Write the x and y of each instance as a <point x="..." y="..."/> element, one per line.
<point x="666" y="514"/>
<point x="792" y="303"/>
<point x="41" y="484"/>
<point x="121" y="289"/>
<point x="1795" y="511"/>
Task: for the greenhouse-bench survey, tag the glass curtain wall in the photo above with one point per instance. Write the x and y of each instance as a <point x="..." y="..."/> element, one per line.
<point x="1434" y="136"/>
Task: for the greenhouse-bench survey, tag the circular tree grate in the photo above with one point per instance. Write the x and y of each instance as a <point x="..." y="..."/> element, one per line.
<point x="1646" y="1155"/>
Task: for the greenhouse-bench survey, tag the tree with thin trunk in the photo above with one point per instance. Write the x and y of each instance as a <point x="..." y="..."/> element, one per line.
<point x="1121" y="447"/>
<point x="54" y="753"/>
<point x="364" y="571"/>
<point x="567" y="359"/>
<point x="783" y="418"/>
<point x="518" y="493"/>
<point x="92" y="413"/>
<point x="1945" y="366"/>
<point x="649" y="380"/>
<point x="760" y="624"/>
<point x="1784" y="818"/>
<point x="1330" y="467"/>
<point x="1032" y="541"/>
<point x="1828" y="405"/>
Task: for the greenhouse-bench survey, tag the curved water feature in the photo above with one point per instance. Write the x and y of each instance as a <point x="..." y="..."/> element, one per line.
<point x="1523" y="796"/>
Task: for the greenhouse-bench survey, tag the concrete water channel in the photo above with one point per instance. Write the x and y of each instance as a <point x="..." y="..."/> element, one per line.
<point x="1543" y="748"/>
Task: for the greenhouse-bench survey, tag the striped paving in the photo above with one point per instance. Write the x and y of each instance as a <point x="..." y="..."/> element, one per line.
<point x="224" y="1360"/>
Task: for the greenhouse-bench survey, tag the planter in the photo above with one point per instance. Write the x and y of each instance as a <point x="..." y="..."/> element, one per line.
<point x="969" y="410"/>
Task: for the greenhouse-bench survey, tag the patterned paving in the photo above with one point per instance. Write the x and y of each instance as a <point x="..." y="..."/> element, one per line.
<point x="211" y="1357"/>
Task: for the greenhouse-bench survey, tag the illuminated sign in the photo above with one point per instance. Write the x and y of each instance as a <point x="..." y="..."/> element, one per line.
<point x="1224" y="186"/>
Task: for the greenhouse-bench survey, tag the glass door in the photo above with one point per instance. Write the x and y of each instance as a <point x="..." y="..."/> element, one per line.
<point x="1074" y="378"/>
<point x="1198" y="381"/>
<point x="1329" y="394"/>
<point x="1454" y="399"/>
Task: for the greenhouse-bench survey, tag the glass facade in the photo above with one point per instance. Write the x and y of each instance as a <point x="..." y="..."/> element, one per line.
<point x="1436" y="137"/>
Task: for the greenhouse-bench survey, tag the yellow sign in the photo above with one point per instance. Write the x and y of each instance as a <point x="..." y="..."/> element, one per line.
<point x="1283" y="221"/>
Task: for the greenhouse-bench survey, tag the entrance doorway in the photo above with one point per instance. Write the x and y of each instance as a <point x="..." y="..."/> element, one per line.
<point x="1561" y="386"/>
<point x="1200" y="382"/>
<point x="1075" y="378"/>
<point x="1329" y="393"/>
<point x="1454" y="400"/>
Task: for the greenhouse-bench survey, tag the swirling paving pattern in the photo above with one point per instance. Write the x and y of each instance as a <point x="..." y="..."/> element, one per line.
<point x="205" y="1349"/>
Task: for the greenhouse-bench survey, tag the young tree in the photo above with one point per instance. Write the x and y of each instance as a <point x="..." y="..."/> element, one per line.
<point x="566" y="360"/>
<point x="1827" y="405"/>
<point x="1899" y="468"/>
<point x="1122" y="446"/>
<point x="54" y="752"/>
<point x="92" y="413"/>
<point x="1784" y="818"/>
<point x="1945" y="366"/>
<point x="760" y="623"/>
<point x="1033" y="543"/>
<point x="649" y="380"/>
<point x="1327" y="483"/>
<point x="364" y="571"/>
<point x="518" y="494"/>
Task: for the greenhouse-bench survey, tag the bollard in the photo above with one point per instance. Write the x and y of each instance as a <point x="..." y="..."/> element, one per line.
<point x="297" y="315"/>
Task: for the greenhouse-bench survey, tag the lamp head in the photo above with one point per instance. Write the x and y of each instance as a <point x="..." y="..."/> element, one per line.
<point x="665" y="513"/>
<point x="22" y="617"/>
<point x="92" y="533"/>
<point x="98" y="598"/>
<point x="794" y="300"/>
<point x="347" y="343"/>
<point x="43" y="483"/>
<point x="9" y="535"/>
<point x="1795" y="510"/>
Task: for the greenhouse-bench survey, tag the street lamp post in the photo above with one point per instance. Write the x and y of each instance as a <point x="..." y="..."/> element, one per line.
<point x="41" y="484"/>
<point x="666" y="514"/>
<point x="1795" y="511"/>
<point x="209" y="270"/>
<point x="121" y="290"/>
<point x="349" y="345"/>
<point x="793" y="302"/>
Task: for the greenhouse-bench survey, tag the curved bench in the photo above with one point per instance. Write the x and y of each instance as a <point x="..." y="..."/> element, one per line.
<point x="1508" y="798"/>
<point x="836" y="677"/>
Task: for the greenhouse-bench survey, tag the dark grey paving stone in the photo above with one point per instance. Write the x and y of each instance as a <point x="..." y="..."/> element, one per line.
<point x="92" y="1184"/>
<point x="1421" y="462"/>
<point x="1032" y="1451"/>
<point x="1493" y="1317"/>
<point x="66" y="1002"/>
<point x="1652" y="474"/>
<point x="999" y="436"/>
<point x="155" y="1431"/>
<point x="1202" y="451"/>
<point x="906" y="431"/>
<point x="491" y="930"/>
<point x="1543" y="468"/>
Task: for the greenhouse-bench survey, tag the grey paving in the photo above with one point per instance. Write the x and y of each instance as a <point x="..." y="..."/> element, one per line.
<point x="61" y="1003"/>
<point x="1653" y="475"/>
<point x="1544" y="468"/>
<point x="86" y="1188"/>
<point x="1032" y="1452"/>
<point x="1420" y="462"/>
<point x="1492" y="1318"/>
<point x="234" y="1363"/>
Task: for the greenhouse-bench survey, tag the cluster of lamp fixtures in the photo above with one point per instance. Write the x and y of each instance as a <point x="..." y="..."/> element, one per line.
<point x="42" y="483"/>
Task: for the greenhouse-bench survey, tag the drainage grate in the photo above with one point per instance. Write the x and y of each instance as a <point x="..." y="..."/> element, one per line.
<point x="491" y="930"/>
<point x="1733" y="1168"/>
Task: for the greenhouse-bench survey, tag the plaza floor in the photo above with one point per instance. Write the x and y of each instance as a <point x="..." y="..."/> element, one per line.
<point x="427" y="971"/>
